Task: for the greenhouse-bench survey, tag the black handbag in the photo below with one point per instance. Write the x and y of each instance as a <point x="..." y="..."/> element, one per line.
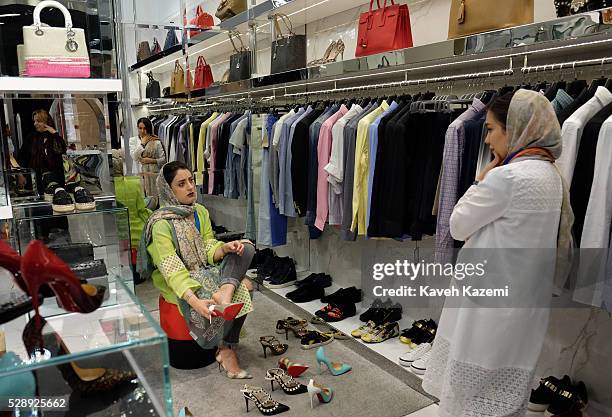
<point x="166" y="91"/>
<point x="240" y="62"/>
<point x="153" y="89"/>
<point x="171" y="39"/>
<point x="288" y="51"/>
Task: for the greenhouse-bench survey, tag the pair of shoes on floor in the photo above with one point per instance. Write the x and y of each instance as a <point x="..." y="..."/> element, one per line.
<point x="422" y="331"/>
<point x="282" y="275"/>
<point x="311" y="288"/>
<point x="380" y="312"/>
<point x="272" y="343"/>
<point x="413" y="355"/>
<point x="314" y="339"/>
<point x="373" y="333"/>
<point x="260" y="257"/>
<point x="559" y="397"/>
<point x="62" y="201"/>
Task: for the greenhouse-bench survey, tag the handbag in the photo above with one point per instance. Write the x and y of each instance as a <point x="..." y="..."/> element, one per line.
<point x="288" y="51"/>
<point x="230" y="8"/>
<point x="153" y="88"/>
<point x="144" y="51"/>
<point x="53" y="51"/>
<point x="203" y="74"/>
<point x="177" y="84"/>
<point x="171" y="39"/>
<point x="156" y="48"/>
<point x="384" y="29"/>
<point x="202" y="20"/>
<point x="468" y="17"/>
<point x="240" y="62"/>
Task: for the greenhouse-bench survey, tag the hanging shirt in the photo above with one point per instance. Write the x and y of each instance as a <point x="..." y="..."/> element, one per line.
<point x="323" y="153"/>
<point x="201" y="154"/>
<point x="285" y="197"/>
<point x="571" y="133"/>
<point x="288" y="206"/>
<point x="561" y="101"/>
<point x="362" y="169"/>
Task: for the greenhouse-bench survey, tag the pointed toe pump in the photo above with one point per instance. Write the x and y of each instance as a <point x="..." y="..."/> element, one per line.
<point x="39" y="266"/>
<point x="324" y="394"/>
<point x="289" y="385"/>
<point x="293" y="369"/>
<point x="242" y="374"/>
<point x="335" y="368"/>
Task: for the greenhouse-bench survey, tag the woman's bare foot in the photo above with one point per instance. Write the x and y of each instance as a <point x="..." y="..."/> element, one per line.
<point x="229" y="360"/>
<point x="224" y="294"/>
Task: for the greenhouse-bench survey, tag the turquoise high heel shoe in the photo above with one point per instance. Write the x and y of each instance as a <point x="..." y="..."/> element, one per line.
<point x="185" y="412"/>
<point x="324" y="394"/>
<point x="336" y="368"/>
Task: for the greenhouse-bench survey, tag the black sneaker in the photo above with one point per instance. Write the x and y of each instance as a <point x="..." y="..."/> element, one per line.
<point x="62" y="201"/>
<point x="84" y="200"/>
<point x="568" y="398"/>
<point x="318" y="280"/>
<point x="92" y="269"/>
<point x="71" y="187"/>
<point x="283" y="276"/>
<point x="306" y="293"/>
<point x="344" y="295"/>
<point x="50" y="191"/>
<point x="367" y="315"/>
<point x="543" y="396"/>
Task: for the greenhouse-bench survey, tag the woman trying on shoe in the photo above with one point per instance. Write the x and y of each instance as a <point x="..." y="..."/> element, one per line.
<point x="204" y="293"/>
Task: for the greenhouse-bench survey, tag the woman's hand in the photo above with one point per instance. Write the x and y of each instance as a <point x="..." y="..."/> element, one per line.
<point x="236" y="247"/>
<point x="148" y="161"/>
<point x="493" y="164"/>
<point x="49" y="129"/>
<point x="201" y="306"/>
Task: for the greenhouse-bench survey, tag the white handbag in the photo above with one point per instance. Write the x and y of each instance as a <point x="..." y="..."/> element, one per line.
<point x="55" y="51"/>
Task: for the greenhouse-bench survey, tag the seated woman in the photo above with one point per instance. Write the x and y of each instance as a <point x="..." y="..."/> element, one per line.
<point x="203" y="301"/>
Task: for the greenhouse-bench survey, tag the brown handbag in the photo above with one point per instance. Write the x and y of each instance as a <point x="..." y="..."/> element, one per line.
<point x="230" y="8"/>
<point x="177" y="84"/>
<point x="144" y="51"/>
<point x="468" y="17"/>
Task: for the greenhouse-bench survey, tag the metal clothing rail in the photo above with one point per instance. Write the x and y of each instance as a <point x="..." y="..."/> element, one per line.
<point x="468" y="76"/>
<point x="566" y="65"/>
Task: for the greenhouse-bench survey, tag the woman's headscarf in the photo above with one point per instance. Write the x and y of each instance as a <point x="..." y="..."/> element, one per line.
<point x="534" y="133"/>
<point x="191" y="250"/>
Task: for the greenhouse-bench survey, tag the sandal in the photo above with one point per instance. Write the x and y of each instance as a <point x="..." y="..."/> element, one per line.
<point x="263" y="401"/>
<point x="282" y="325"/>
<point x="270" y="342"/>
<point x="381" y="333"/>
<point x="289" y="385"/>
<point x="298" y="331"/>
<point x="314" y="339"/>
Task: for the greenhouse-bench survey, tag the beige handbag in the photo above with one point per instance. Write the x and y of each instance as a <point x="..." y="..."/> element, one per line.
<point x="468" y="17"/>
<point x="54" y="51"/>
<point x="177" y="84"/>
<point x="230" y="8"/>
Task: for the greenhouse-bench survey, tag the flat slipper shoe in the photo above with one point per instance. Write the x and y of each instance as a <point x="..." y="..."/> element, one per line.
<point x="314" y="339"/>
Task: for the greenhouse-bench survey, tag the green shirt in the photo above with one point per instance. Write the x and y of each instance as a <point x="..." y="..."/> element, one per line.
<point x="171" y="276"/>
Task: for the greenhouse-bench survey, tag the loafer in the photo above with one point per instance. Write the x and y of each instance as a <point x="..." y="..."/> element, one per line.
<point x="306" y="293"/>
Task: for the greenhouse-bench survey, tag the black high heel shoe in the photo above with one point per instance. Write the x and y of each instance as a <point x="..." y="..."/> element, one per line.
<point x="270" y="342"/>
<point x="289" y="385"/>
<point x="263" y="401"/>
<point x="82" y="380"/>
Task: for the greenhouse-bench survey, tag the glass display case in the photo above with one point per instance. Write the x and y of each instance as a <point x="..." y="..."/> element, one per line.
<point x="112" y="361"/>
<point x="96" y="244"/>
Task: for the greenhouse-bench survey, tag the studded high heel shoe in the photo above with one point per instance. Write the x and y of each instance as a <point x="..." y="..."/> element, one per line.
<point x="263" y="401"/>
<point x="324" y="394"/>
<point x="289" y="385"/>
<point x="276" y="347"/>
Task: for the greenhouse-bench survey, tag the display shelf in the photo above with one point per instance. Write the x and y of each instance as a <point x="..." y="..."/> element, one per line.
<point x="123" y="337"/>
<point x="391" y="349"/>
<point x="169" y="55"/>
<point x="59" y="85"/>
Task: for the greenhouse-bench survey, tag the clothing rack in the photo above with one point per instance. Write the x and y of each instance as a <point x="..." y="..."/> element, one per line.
<point x="562" y="65"/>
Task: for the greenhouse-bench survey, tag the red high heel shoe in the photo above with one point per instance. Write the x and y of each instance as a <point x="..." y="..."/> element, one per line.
<point x="39" y="266"/>
<point x="227" y="311"/>
<point x="11" y="261"/>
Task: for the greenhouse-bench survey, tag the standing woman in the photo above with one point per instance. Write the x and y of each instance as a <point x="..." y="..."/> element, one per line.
<point x="484" y="358"/>
<point x="151" y="155"/>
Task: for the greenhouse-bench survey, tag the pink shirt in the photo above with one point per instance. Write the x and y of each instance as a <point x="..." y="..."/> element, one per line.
<point x="323" y="155"/>
<point x="213" y="150"/>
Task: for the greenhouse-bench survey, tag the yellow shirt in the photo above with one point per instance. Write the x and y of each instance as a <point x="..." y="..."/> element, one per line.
<point x="362" y="169"/>
<point x="199" y="177"/>
<point x="171" y="276"/>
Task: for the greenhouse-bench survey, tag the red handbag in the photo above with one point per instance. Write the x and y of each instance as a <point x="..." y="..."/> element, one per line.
<point x="385" y="29"/>
<point x="203" y="74"/>
<point x="202" y="20"/>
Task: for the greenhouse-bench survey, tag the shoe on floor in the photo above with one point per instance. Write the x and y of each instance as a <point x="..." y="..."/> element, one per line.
<point x="382" y="333"/>
<point x="569" y="398"/>
<point x="361" y="330"/>
<point x="419" y="366"/>
<point x="314" y="339"/>
<point x="62" y="201"/>
<point x="414" y="354"/>
<point x="543" y="396"/>
<point x="83" y="199"/>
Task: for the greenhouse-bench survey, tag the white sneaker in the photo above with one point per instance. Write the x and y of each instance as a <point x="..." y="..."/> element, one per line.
<point x="420" y="365"/>
<point x="412" y="355"/>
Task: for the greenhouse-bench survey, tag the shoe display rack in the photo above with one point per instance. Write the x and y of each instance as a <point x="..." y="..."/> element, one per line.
<point x="112" y="361"/>
<point x="95" y="243"/>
